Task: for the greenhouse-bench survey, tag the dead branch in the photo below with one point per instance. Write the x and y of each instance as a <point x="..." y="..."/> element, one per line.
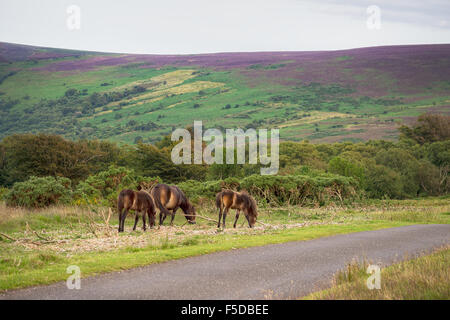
<point x="41" y="237"/>
<point x="7" y="237"/>
<point x="264" y="224"/>
<point x="202" y="217"/>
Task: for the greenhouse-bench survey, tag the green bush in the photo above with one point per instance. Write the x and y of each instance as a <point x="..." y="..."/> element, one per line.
<point x="344" y="167"/>
<point x="208" y="189"/>
<point x="104" y="187"/>
<point x="301" y="189"/>
<point x="279" y="190"/>
<point x="383" y="182"/>
<point x="3" y="192"/>
<point x="38" y="192"/>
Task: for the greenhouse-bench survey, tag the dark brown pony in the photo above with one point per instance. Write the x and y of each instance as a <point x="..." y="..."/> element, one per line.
<point x="141" y="202"/>
<point x="168" y="199"/>
<point x="241" y="201"/>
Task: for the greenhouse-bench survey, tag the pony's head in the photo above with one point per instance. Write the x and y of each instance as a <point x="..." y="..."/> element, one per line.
<point x="189" y="213"/>
<point x="251" y="209"/>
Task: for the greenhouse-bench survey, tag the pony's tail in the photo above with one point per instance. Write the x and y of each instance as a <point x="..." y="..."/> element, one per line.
<point x="120" y="203"/>
<point x="219" y="200"/>
<point x="157" y="199"/>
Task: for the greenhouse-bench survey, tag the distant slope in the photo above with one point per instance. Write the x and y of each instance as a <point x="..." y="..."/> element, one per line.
<point x="328" y="96"/>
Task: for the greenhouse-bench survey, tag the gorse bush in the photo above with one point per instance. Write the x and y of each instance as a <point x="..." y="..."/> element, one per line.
<point x="38" y="192"/>
<point x="281" y="190"/>
<point x="301" y="189"/>
<point x="3" y="192"/>
<point x="208" y="189"/>
<point x="104" y="187"/>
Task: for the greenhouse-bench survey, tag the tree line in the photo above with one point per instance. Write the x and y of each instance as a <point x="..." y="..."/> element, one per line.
<point x="416" y="165"/>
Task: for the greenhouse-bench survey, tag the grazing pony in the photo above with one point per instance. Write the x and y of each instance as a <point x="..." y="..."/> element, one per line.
<point x="141" y="202"/>
<point x="171" y="198"/>
<point x="228" y="199"/>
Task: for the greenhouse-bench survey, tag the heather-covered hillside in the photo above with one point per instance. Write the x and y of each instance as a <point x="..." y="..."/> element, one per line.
<point x="328" y="96"/>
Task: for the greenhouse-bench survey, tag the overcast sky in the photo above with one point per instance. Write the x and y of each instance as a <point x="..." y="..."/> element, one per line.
<point x="200" y="26"/>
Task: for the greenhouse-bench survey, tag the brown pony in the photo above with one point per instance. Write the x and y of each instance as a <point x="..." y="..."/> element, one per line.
<point x="141" y="202"/>
<point x="171" y="198"/>
<point x="236" y="200"/>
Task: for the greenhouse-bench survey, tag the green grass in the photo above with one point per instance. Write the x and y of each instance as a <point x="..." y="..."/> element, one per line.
<point x="424" y="278"/>
<point x="43" y="268"/>
<point x="263" y="102"/>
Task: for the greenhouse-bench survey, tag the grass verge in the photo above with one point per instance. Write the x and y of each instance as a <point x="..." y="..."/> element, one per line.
<point x="44" y="268"/>
<point x="424" y="278"/>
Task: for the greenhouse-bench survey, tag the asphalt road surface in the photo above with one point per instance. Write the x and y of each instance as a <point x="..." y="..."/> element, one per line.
<point x="287" y="271"/>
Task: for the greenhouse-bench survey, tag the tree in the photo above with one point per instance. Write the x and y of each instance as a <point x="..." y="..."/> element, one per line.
<point x="383" y="182"/>
<point x="439" y="154"/>
<point x="405" y="165"/>
<point x="428" y="128"/>
<point x="347" y="168"/>
<point x="151" y="162"/>
<point x="26" y="155"/>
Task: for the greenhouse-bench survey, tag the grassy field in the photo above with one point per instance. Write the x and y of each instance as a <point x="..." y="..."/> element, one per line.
<point x="37" y="246"/>
<point x="423" y="278"/>
<point x="322" y="100"/>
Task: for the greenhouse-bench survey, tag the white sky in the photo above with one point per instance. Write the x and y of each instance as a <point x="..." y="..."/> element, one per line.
<point x="200" y="26"/>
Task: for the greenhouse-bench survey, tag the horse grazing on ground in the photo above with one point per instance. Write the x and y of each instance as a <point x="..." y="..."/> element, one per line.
<point x="139" y="201"/>
<point x="168" y="199"/>
<point x="241" y="201"/>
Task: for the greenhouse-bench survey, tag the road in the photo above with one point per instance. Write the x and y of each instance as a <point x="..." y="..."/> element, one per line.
<point x="281" y="271"/>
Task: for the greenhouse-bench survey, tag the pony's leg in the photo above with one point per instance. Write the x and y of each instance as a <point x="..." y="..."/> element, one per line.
<point x="151" y="219"/>
<point x="160" y="218"/>
<point x="225" y="212"/>
<point x="143" y="220"/>
<point x="136" y="219"/>
<point x="122" y="219"/>
<point x="220" y="216"/>
<point x="173" y="216"/>
<point x="248" y="220"/>
<point x="237" y="217"/>
<point x="164" y="218"/>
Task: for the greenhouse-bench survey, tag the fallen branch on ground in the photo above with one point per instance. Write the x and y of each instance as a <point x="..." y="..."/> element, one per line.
<point x="26" y="240"/>
<point x="7" y="237"/>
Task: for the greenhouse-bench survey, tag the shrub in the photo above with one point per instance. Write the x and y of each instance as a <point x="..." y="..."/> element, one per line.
<point x="300" y="189"/>
<point x="104" y="187"/>
<point x="3" y="192"/>
<point x="279" y="190"/>
<point x="38" y="192"/>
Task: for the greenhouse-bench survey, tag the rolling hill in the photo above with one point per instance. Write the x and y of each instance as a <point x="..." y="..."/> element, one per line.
<point x="323" y="96"/>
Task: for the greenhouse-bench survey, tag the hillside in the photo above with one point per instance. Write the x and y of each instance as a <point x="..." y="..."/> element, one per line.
<point x="327" y="96"/>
